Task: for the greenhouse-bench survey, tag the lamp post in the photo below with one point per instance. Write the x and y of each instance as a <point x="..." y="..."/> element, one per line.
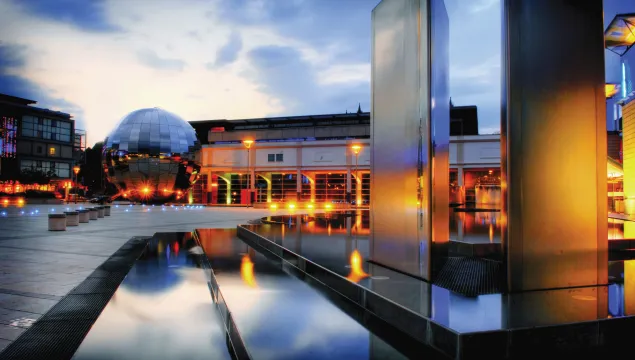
<point x="248" y="144"/>
<point x="356" y="149"/>
<point x="76" y="171"/>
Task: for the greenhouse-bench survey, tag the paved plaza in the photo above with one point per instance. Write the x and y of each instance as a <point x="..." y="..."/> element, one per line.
<point x="39" y="267"/>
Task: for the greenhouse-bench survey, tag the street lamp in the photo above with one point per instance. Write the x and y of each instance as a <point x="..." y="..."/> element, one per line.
<point x="356" y="149"/>
<point x="248" y="144"/>
<point x="76" y="169"/>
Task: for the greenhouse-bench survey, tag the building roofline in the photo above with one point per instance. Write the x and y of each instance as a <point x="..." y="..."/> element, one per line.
<point x="13" y="100"/>
<point x="279" y="119"/>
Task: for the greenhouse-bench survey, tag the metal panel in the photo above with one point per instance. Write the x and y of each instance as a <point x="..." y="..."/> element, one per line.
<point x="553" y="144"/>
<point x="407" y="142"/>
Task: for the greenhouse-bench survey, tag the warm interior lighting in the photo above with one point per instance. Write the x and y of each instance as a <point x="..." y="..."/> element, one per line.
<point x="356" y="149"/>
<point x="247" y="271"/>
<point x="51" y="151"/>
<point x="248" y="143"/>
<point x="357" y="271"/>
<point x="611" y="90"/>
<point x="273" y="206"/>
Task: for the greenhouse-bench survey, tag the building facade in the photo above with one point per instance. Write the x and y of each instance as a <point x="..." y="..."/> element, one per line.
<point x="325" y="160"/>
<point x="35" y="139"/>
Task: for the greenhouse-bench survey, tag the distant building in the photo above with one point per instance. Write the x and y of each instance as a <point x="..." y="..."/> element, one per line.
<point x="34" y="138"/>
<point x="310" y="158"/>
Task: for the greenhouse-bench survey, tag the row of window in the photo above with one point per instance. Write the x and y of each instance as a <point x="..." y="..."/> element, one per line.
<point x="60" y="169"/>
<point x="275" y="157"/>
<point x="46" y="128"/>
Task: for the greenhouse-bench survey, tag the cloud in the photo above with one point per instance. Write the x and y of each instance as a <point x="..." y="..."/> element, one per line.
<point x="482" y="5"/>
<point x="83" y="14"/>
<point x="282" y="72"/>
<point x="151" y="59"/>
<point x="12" y="59"/>
<point x="229" y="52"/>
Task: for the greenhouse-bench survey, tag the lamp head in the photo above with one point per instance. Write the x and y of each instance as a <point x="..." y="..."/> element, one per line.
<point x="248" y="143"/>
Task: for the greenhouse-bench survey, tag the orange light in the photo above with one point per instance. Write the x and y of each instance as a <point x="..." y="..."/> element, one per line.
<point x="179" y="192"/>
<point x="356" y="149"/>
<point x="292" y="206"/>
<point x="214" y="184"/>
<point x="310" y="206"/>
<point x="76" y="169"/>
<point x="5" y="201"/>
<point x="20" y="202"/>
<point x="125" y="195"/>
<point x="357" y="272"/>
<point x="247" y="271"/>
<point x="273" y="206"/>
<point x="611" y="90"/>
<point x="328" y="206"/>
<point x="248" y="143"/>
<point x="146" y="190"/>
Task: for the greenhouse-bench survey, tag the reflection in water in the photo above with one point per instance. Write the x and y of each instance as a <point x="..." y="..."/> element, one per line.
<point x="357" y="272"/>
<point x="164" y="302"/>
<point x="344" y="251"/>
<point x="247" y="271"/>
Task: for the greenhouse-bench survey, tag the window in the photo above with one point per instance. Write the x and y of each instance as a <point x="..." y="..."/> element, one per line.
<point x="60" y="169"/>
<point x="46" y="128"/>
<point x="52" y="151"/>
<point x="39" y="150"/>
<point x="275" y="158"/>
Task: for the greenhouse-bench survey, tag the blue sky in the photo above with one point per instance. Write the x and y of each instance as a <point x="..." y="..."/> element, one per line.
<point x="210" y="59"/>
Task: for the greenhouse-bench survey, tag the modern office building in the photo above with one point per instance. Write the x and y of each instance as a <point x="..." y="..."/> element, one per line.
<point x="33" y="138"/>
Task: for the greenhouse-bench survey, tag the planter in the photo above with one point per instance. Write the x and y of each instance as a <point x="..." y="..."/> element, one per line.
<point x="57" y="222"/>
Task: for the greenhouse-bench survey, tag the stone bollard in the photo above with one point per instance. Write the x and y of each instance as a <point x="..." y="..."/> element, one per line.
<point x="72" y="218"/>
<point x="93" y="213"/>
<point x="100" y="211"/>
<point x="84" y="216"/>
<point x="106" y="210"/>
<point x="57" y="222"/>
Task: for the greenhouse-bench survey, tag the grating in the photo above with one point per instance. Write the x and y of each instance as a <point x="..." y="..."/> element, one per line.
<point x="97" y="286"/>
<point x="78" y="307"/>
<point x="471" y="276"/>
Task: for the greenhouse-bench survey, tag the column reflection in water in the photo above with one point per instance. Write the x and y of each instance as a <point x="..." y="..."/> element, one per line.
<point x="410" y="133"/>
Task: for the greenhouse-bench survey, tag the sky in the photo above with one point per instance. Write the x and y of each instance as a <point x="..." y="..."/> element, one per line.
<point x="223" y="59"/>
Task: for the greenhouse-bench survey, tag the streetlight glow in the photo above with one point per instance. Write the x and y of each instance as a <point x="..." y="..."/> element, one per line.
<point x="248" y="143"/>
<point x="356" y="149"/>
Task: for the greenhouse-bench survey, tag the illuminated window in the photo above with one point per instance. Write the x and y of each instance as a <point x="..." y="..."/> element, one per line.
<point x="52" y="151"/>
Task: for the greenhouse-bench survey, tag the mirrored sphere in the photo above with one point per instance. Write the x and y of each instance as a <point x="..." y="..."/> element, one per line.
<point x="150" y="154"/>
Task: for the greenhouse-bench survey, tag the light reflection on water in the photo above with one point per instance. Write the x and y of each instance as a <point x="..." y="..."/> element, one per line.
<point x="331" y="239"/>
